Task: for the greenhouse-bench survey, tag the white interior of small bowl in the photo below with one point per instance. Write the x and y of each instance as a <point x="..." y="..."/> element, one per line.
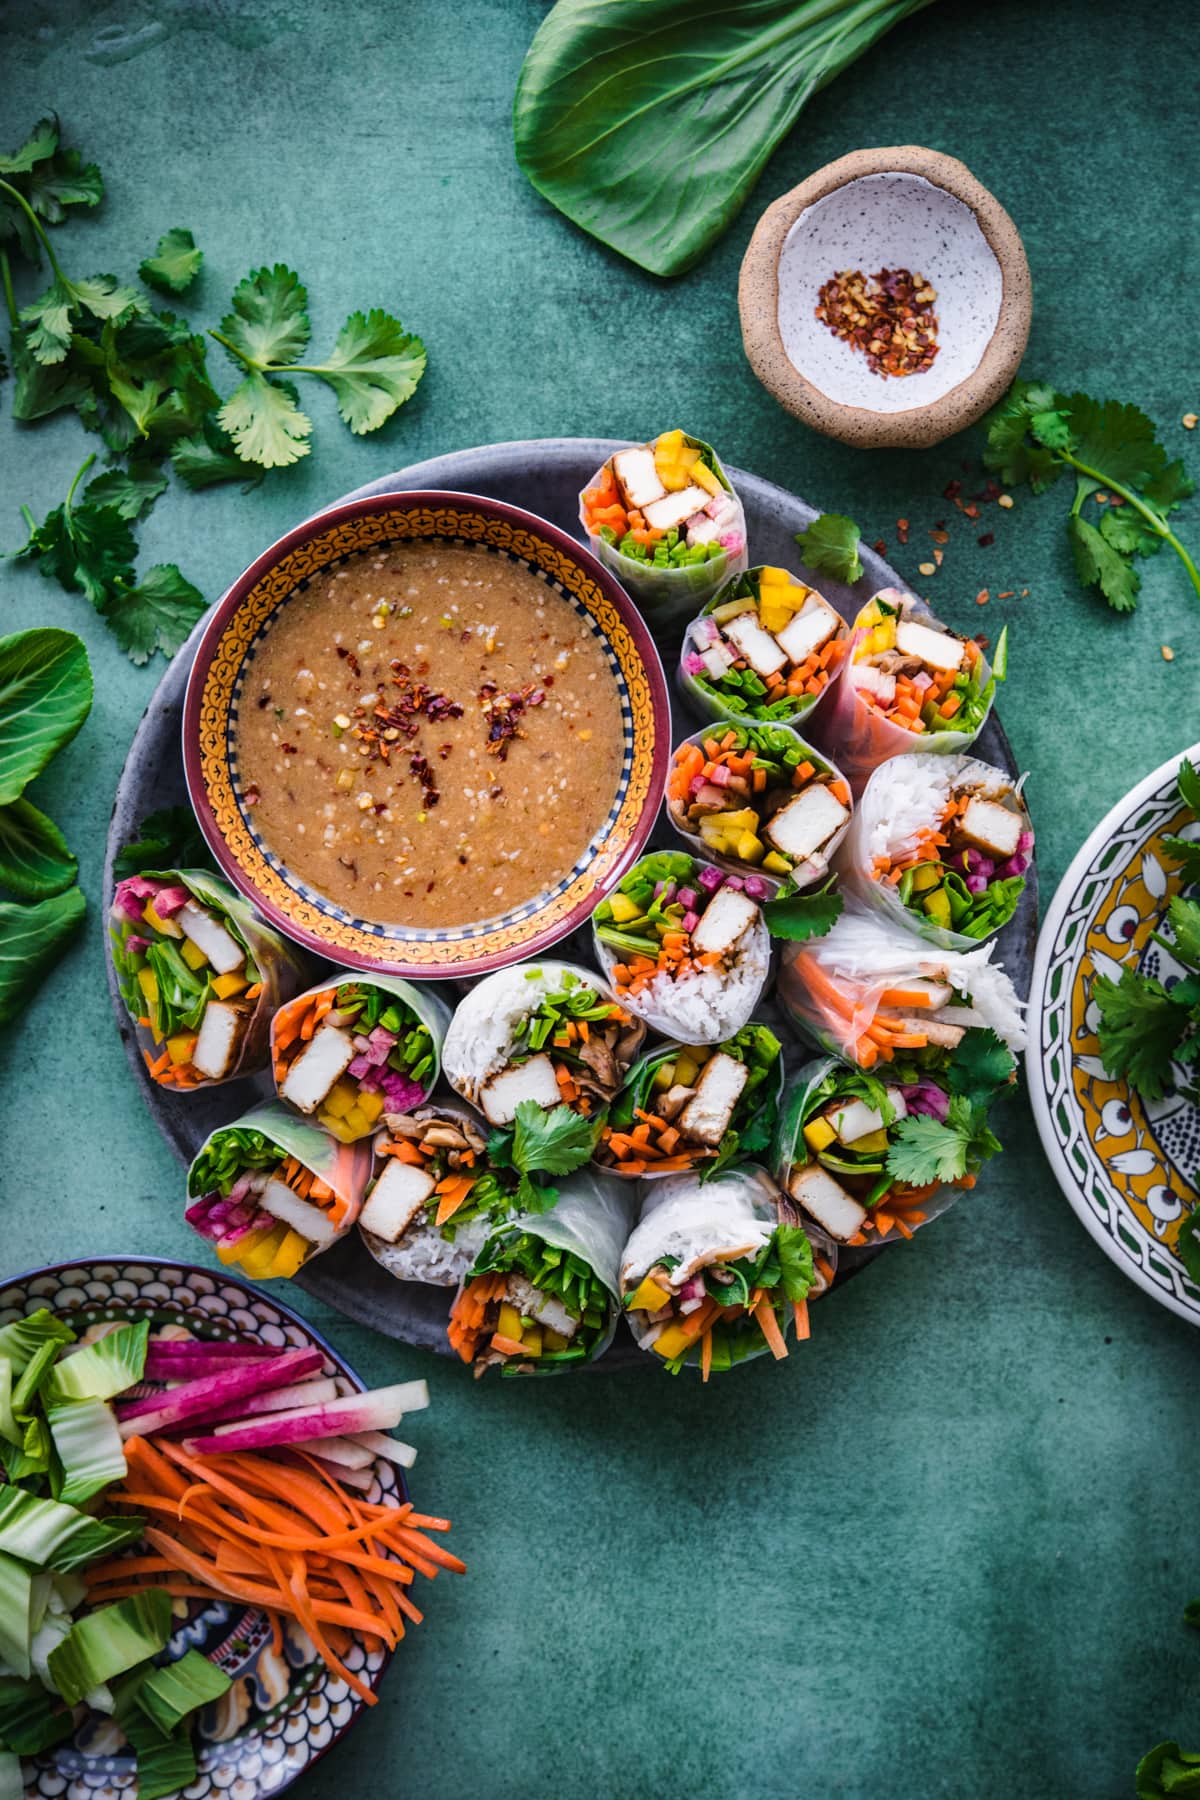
<point x="889" y="221"/>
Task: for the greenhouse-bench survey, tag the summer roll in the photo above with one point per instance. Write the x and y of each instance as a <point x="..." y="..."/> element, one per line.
<point x="664" y="517"/>
<point x="757" y="799"/>
<point x="688" y="1106"/>
<point x="766" y="647"/>
<point x="717" y="1272"/>
<point x="909" y="684"/>
<point x="200" y="974"/>
<point x="547" y="1032"/>
<point x="940" y="844"/>
<point x="685" y="946"/>
<point x="354" y="1045"/>
<point x="542" y="1293"/>
<point x="872" y="992"/>
<point x="873" y="1159"/>
<point x="271" y="1191"/>
<point x="434" y="1194"/>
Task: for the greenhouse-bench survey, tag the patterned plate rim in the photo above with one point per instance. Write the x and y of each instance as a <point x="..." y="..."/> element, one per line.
<point x="219" y="1277"/>
<point x="1048" y="949"/>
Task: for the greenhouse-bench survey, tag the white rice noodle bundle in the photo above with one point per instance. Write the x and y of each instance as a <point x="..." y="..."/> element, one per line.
<point x="701" y="1006"/>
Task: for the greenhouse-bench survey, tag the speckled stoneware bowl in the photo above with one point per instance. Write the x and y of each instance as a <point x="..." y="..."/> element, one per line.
<point x="900" y="207"/>
<point x="248" y="612"/>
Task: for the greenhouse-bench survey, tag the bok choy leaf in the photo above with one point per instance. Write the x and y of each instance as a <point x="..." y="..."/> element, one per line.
<point x="16" y="1616"/>
<point x="30" y="1719"/>
<point x="168" y="1695"/>
<point x="23" y="1337"/>
<point x="107" y="1367"/>
<point x="110" y="1641"/>
<point x="89" y="1448"/>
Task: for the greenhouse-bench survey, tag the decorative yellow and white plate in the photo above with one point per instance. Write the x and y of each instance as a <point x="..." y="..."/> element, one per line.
<point x="1129" y="1167"/>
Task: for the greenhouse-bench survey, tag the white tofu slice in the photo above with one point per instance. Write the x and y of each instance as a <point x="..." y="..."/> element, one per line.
<point x="532" y="1080"/>
<point x="532" y="1303"/>
<point x="395" y="1200"/>
<point x="993" y="828"/>
<point x="208" y="934"/>
<point x="809" y="629"/>
<point x="705" y="1119"/>
<point x="937" y="649"/>
<point x="322" y="1062"/>
<point x="827" y="1201"/>
<point x="756" y="645"/>
<point x="675" y="509"/>
<point x="858" y="1120"/>
<point x="725" y="921"/>
<point x="637" y="476"/>
<point x="801" y="827"/>
<point x="716" y="659"/>
<point x="278" y="1199"/>
<point x="221" y="1031"/>
<point x="874" y="681"/>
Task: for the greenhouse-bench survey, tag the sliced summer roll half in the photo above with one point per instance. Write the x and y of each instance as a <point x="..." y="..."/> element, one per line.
<point x="200" y="974"/>
<point x="872" y="1160"/>
<point x="757" y="798"/>
<point x="542" y="1293"/>
<point x="434" y="1194"/>
<point x="664" y="518"/>
<point x="940" y="844"/>
<point x="909" y="684"/>
<point x="354" y="1046"/>
<point x="695" y="1106"/>
<point x="547" y="1032"/>
<point x="271" y="1191"/>
<point x="685" y="946"/>
<point x="873" y="993"/>
<point x="717" y="1272"/>
<point x="766" y="647"/>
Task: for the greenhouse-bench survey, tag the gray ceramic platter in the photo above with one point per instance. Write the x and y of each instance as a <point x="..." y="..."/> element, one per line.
<point x="545" y="476"/>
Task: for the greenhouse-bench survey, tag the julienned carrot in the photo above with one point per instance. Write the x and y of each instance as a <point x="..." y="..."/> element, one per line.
<point x="706" y="1354"/>
<point x="768" y="1324"/>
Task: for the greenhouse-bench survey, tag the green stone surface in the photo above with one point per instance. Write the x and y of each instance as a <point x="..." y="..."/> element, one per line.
<point x="943" y="1550"/>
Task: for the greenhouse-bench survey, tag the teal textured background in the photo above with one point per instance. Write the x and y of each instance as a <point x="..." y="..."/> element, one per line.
<point x="944" y="1550"/>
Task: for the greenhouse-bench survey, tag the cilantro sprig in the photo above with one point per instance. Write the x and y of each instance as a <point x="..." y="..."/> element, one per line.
<point x="1036" y="435"/>
<point x="829" y="546"/>
<point x="925" y="1149"/>
<point x="797" y="917"/>
<point x="541" y="1143"/>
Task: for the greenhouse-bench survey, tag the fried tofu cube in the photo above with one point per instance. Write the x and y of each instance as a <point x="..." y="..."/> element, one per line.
<point x="936" y="649"/>
<point x="758" y="647"/>
<point x="725" y="921"/>
<point x="637" y="476"/>
<point x="208" y="934"/>
<point x="395" y="1200"/>
<point x="318" y="1068"/>
<point x="675" y="509"/>
<point x="706" y="1117"/>
<point x="533" y="1080"/>
<point x="827" y="1201"/>
<point x="809" y="629"/>
<point x="801" y="827"/>
<point x="992" y="828"/>
<point x="857" y="1120"/>
<point x="220" y="1037"/>
<point x="279" y="1200"/>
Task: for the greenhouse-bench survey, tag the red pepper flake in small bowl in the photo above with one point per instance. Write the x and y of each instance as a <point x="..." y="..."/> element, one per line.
<point x="889" y="317"/>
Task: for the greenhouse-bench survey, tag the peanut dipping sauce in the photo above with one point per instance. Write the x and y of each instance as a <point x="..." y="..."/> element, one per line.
<point x="429" y="736"/>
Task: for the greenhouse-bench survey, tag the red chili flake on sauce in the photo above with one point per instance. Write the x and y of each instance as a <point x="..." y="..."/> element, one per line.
<point x="349" y="658"/>
<point x="889" y="317"/>
<point x="504" y="712"/>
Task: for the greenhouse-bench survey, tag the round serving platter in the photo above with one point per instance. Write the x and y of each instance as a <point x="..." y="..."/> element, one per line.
<point x="543" y="475"/>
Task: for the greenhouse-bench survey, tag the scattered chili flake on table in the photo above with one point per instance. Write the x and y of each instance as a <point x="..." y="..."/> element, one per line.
<point x="889" y="317"/>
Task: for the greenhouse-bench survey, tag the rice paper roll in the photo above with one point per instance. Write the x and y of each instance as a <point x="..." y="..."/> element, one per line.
<point x="201" y="976"/>
<point x="434" y="1195"/>
<point x="873" y="993"/>
<point x="550" y="1032"/>
<point x="909" y="684"/>
<point x="542" y="1295"/>
<point x="718" y="1272"/>
<point x="840" y="1130"/>
<point x="665" y="519"/>
<point x="354" y="1046"/>
<point x="271" y="1191"/>
<point x="685" y="946"/>
<point x="939" y="845"/>
<point x="695" y="1106"/>
<point x="767" y="647"/>
<point x="759" y="802"/>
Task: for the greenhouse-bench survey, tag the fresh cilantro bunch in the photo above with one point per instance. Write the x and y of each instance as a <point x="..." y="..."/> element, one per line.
<point x="1036" y="434"/>
<point x="925" y="1150"/>
<point x="48" y="179"/>
<point x="829" y="546"/>
<point x="543" y="1143"/>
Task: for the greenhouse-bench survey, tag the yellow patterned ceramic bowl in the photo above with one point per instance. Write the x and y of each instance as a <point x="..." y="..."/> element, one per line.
<point x="227" y="650"/>
<point x="1128" y="1166"/>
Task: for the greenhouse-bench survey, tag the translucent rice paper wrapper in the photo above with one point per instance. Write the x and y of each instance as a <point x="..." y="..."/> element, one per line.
<point x="282" y="968"/>
<point x="903" y="798"/>
<point x="346" y="1168"/>
<point x="711" y="706"/>
<point x="667" y="596"/>
<point x="645" y="1067"/>
<point x="430" y="1008"/>
<point x="423" y="1254"/>
<point x="805" y="873"/>
<point x="862" y="738"/>
<point x="862" y="957"/>
<point x="789" y="1150"/>
<point x="592" y="1218"/>
<point x="480" y="1040"/>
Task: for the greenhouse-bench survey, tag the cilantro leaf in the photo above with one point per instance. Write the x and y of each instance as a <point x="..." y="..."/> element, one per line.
<point x="175" y="263"/>
<point x="40" y="389"/>
<point x="156" y="614"/>
<point x="1184" y="919"/>
<point x="1126" y="531"/>
<point x="50" y="179"/>
<point x="1010" y="448"/>
<point x="535" y="1196"/>
<point x="1141" y="1028"/>
<point x="1116" y="438"/>
<point x="1170" y="488"/>
<point x="829" y="546"/>
<point x="49" y="320"/>
<point x="981" y="1066"/>
<point x="1166" y="1772"/>
<point x="132" y="490"/>
<point x="169" y="839"/>
<point x="207" y="457"/>
<point x="925" y="1149"/>
<point x="374" y="368"/>
<point x="83" y="548"/>
<point x="268" y="325"/>
<point x="1099" y="564"/>
<point x="798" y="917"/>
<point x="1186" y="852"/>
<point x="41" y="143"/>
<point x="1189" y="786"/>
<point x="265" y="422"/>
<point x="554" y="1142"/>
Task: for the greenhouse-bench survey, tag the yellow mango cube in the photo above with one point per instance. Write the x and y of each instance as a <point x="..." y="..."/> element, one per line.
<point x="552" y="1340"/>
<point x="671" y="1342"/>
<point x="244" y="1246"/>
<point x="623" y="909"/>
<point x="164" y="927"/>
<point x="687" y="1066"/>
<point x="289" y="1257"/>
<point x="874" y="1143"/>
<point x="148" y="982"/>
<point x="818" y="1135"/>
<point x="531" y="1343"/>
<point x="370" y="1106"/>
<point x="509" y="1324"/>
<point x="650" y="1297"/>
<point x="226" y="986"/>
<point x="750" y="849"/>
<point x="668" y="446"/>
<point x="258" y="1263"/>
<point x="193" y="955"/>
<point x="703" y="477"/>
<point x="180" y="1046"/>
<point x="340" y="1099"/>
